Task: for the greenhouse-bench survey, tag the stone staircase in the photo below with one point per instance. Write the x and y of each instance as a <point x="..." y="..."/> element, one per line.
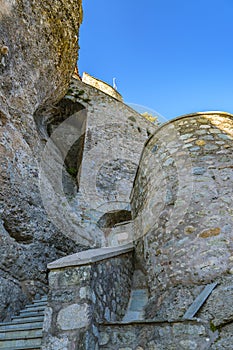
<point x="137" y="302"/>
<point x="25" y="330"/>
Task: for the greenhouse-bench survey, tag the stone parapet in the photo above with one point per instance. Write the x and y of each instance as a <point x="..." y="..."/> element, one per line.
<point x="102" y="86"/>
<point x="86" y="289"/>
<point x="90" y="256"/>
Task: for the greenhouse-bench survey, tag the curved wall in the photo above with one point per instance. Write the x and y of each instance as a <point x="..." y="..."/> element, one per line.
<point x="182" y="201"/>
<point x="102" y="86"/>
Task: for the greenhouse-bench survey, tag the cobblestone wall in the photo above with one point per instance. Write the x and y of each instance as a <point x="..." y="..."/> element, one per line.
<point x="82" y="296"/>
<point x="111" y="285"/>
<point x="160" y="336"/>
<point x="182" y="203"/>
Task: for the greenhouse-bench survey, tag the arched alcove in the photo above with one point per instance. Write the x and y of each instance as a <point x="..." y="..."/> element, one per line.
<point x="109" y="220"/>
<point x="69" y="117"/>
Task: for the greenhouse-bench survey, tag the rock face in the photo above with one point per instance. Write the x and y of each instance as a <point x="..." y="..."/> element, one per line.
<point x="38" y="52"/>
<point x="42" y="51"/>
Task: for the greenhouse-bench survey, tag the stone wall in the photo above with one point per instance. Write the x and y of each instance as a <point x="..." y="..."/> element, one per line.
<point x="101" y="85"/>
<point x="121" y="234"/>
<point x="182" y="205"/>
<point x="189" y="335"/>
<point x="98" y="139"/>
<point x="113" y="141"/>
<point x="86" y="289"/>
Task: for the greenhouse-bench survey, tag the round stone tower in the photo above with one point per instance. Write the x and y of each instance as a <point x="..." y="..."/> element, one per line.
<point x="182" y="202"/>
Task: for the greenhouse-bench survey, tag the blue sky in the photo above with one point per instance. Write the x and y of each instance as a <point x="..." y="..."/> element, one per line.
<point x="172" y="56"/>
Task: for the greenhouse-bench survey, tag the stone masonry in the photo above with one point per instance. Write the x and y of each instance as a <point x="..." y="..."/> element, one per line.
<point x="182" y="201"/>
<point x="82" y="172"/>
<point x="86" y="289"/>
<point x="100" y="140"/>
<point x="101" y="85"/>
<point x="182" y="224"/>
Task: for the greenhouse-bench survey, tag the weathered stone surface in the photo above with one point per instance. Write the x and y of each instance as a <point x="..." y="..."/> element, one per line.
<point x="83" y="296"/>
<point x="100" y="172"/>
<point x="35" y="72"/>
<point x="165" y="336"/>
<point x="10" y="296"/>
<point x="38" y="52"/>
<point x="104" y="338"/>
<point x="101" y="85"/>
<point x="73" y="317"/>
<point x="90" y="256"/>
<point x="172" y="303"/>
<point x="47" y="319"/>
<point x="114" y="139"/>
<point x="182" y="199"/>
<point x="111" y="285"/>
<point x="183" y="211"/>
<point x="218" y="307"/>
<point x="108" y="296"/>
<point x="39" y="64"/>
<point x="70" y="278"/>
<point x="225" y="338"/>
<point x="55" y="343"/>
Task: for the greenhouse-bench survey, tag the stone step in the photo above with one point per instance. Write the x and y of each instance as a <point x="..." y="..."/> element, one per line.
<point x="132" y="316"/>
<point x="20" y="326"/>
<point x="137" y="302"/>
<point x="14" y="334"/>
<point x="33" y="308"/>
<point x="28" y="314"/>
<point x="27" y="311"/>
<point x="42" y="303"/>
<point x="24" y="347"/>
<point x="139" y="298"/>
<point x="43" y="298"/>
<point x="23" y="320"/>
<point x="21" y="344"/>
<point x="25" y="330"/>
